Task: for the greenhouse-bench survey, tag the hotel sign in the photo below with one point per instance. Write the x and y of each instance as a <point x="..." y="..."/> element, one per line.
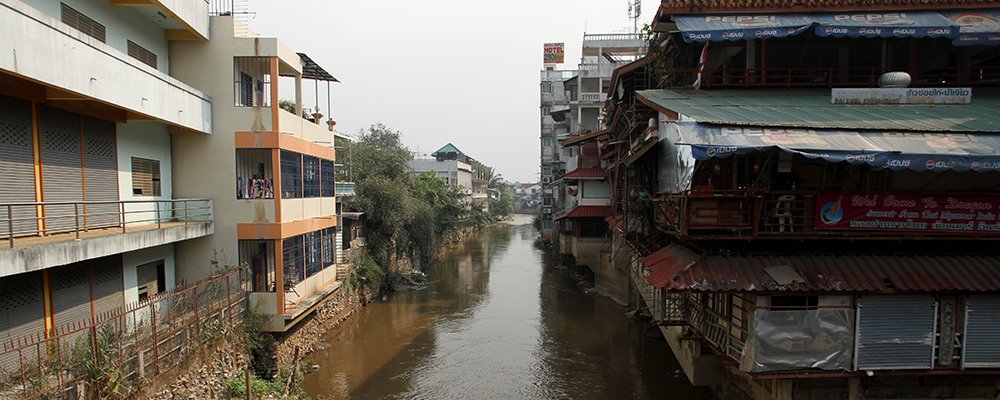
<point x="910" y="213"/>
<point x="555" y="53"/>
<point x="960" y="95"/>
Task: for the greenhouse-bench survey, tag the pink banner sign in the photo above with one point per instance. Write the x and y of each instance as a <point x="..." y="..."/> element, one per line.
<point x="905" y="212"/>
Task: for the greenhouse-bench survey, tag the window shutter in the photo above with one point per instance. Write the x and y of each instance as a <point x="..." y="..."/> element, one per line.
<point x="83" y="23"/>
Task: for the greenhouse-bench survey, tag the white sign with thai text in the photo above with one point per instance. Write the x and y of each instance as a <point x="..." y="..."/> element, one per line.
<point x="958" y="95"/>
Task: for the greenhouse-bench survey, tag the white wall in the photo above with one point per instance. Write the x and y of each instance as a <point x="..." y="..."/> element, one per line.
<point x="122" y="23"/>
<point x="133" y="259"/>
<point x="147" y="140"/>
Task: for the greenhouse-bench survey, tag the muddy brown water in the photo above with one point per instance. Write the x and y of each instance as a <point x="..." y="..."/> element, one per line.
<point x="497" y="322"/>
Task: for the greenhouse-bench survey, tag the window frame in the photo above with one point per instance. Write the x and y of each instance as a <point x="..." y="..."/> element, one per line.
<point x="291" y="175"/>
<point x="150" y="167"/>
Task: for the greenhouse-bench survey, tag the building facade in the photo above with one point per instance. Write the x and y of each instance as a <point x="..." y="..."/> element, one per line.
<point x="804" y="215"/>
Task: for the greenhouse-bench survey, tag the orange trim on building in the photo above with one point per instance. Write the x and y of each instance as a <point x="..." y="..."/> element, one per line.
<point x="279" y="277"/>
<point x="278" y="140"/>
<point x="276" y="181"/>
<point x="36" y="144"/>
<point x="278" y="231"/>
<point x="50" y="319"/>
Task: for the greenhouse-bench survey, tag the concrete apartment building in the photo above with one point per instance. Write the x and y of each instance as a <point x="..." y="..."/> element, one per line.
<point x="135" y="149"/>
<point x="448" y="163"/>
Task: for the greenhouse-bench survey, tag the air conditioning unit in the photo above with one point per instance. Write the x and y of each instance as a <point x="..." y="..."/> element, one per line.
<point x="547" y="210"/>
<point x="547" y="180"/>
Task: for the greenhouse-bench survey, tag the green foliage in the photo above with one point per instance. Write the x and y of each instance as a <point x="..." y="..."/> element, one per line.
<point x="237" y="386"/>
<point x="288" y="105"/>
<point x="504" y="205"/>
<point x="379" y="152"/>
<point x="536" y="222"/>
<point x="367" y="273"/>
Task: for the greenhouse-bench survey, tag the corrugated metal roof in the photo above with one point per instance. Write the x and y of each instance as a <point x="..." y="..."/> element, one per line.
<point x="587" y="211"/>
<point x="838" y="273"/>
<point x="312" y="70"/>
<point x="665" y="263"/>
<point x="701" y="6"/>
<point x="808" y="108"/>
<point x="585" y="173"/>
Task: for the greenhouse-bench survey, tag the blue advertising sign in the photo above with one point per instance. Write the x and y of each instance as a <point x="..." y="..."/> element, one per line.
<point x="976" y="27"/>
<point x="717" y="28"/>
<point x="884" y="25"/>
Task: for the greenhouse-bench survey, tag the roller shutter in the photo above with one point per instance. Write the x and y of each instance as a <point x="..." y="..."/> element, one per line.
<point x="62" y="173"/>
<point x="71" y="294"/>
<point x="982" y="332"/>
<point x="896" y="332"/>
<point x="17" y="164"/>
<point x="107" y="284"/>
<point x="100" y="172"/>
<point x="22" y="309"/>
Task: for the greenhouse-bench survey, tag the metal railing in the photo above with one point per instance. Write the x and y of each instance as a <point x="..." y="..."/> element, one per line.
<point x="613" y="36"/>
<point x="129" y="345"/>
<point x="54" y="217"/>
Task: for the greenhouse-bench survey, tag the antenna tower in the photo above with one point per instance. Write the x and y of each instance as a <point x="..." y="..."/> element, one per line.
<point x="634" y="12"/>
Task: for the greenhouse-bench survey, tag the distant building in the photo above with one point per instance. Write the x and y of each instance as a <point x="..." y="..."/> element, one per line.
<point x="449" y="163"/>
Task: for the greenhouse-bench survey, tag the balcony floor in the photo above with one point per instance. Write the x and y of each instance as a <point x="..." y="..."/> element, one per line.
<point x="30" y="241"/>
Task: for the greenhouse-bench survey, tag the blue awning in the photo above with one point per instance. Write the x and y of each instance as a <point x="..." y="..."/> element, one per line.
<point x="893" y="150"/>
<point x="717" y="28"/>
<point x="918" y="24"/>
<point x="978" y="27"/>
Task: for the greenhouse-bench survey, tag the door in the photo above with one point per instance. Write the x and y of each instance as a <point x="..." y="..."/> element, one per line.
<point x="17" y="165"/>
<point x="896" y="332"/>
<point x="100" y="172"/>
<point x="62" y="163"/>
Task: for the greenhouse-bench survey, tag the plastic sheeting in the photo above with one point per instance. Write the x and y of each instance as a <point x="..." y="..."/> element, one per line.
<point x="878" y="149"/>
<point x="801" y="339"/>
<point x="676" y="161"/>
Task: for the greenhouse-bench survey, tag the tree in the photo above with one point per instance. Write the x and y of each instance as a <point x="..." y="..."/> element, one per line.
<point x="379" y="151"/>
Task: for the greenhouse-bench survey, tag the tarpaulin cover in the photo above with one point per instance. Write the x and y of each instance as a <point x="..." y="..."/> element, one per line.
<point x="893" y="150"/>
<point x="801" y="339"/>
<point x="884" y="25"/>
<point x="717" y="28"/>
<point x="975" y="27"/>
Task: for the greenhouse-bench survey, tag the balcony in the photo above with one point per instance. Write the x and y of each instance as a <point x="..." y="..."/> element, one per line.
<point x="66" y="65"/>
<point x="68" y="232"/>
<point x="742" y="215"/>
<point x="182" y="19"/>
<point x="593" y="98"/>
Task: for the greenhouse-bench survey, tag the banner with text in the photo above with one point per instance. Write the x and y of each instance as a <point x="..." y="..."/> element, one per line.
<point x="905" y="212"/>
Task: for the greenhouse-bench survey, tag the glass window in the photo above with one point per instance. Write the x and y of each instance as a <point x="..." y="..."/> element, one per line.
<point x="310" y="176"/>
<point x="291" y="175"/>
<point x="313" y="253"/>
<point x="329" y="248"/>
<point x="293" y="261"/>
<point x="327" y="177"/>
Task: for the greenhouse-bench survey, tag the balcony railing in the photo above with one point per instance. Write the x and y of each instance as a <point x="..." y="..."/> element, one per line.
<point x="762" y="215"/>
<point x="78" y="217"/>
<point x="612" y="36"/>
<point x="830" y="77"/>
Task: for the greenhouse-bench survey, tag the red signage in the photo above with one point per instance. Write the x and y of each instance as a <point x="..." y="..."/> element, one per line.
<point x="905" y="212"/>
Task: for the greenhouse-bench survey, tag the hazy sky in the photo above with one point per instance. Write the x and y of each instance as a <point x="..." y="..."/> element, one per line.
<point x="442" y="71"/>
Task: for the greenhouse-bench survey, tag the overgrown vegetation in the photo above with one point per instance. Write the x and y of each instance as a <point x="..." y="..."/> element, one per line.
<point x="408" y="216"/>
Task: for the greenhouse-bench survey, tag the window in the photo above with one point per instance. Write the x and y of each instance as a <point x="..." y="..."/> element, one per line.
<point x="291" y="175"/>
<point x="253" y="174"/>
<point x="293" y="261"/>
<point x="547" y="171"/>
<point x="258" y="256"/>
<point x="547" y="201"/>
<point x="329" y="246"/>
<point x="150" y="279"/>
<point x="145" y="177"/>
<point x="546" y="111"/>
<point x="83" y="23"/>
<point x="310" y="176"/>
<point x="326" y="172"/>
<point x="592" y="227"/>
<point x="140" y="53"/>
<point x="252" y="81"/>
<point x="546" y="142"/>
<point x="314" y="245"/>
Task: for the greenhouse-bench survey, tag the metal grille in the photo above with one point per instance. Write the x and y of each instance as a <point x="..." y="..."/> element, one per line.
<point x="314" y="247"/>
<point x="21" y="306"/>
<point x="982" y="333"/>
<point x="291" y="175"/>
<point x="62" y="165"/>
<point x="895" y="332"/>
<point x="310" y="177"/>
<point x="258" y="256"/>
<point x="100" y="172"/>
<point x="292" y="260"/>
<point x="83" y="23"/>
<point x="254" y="177"/>
<point x="16" y="162"/>
<point x="252" y="81"/>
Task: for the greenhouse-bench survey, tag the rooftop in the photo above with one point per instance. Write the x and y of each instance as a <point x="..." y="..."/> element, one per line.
<point x="700" y="6"/>
<point x="812" y="108"/>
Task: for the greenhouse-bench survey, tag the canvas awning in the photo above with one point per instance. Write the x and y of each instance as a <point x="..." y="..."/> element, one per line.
<point x="977" y="27"/>
<point x="878" y="149"/>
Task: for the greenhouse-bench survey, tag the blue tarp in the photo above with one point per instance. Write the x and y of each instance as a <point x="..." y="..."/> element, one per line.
<point x="717" y="28"/>
<point x="893" y="150"/>
<point x="976" y="27"/>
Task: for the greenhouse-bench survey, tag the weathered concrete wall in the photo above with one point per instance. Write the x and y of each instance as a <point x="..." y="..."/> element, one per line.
<point x="152" y="142"/>
<point x="133" y="259"/>
<point x="26" y="259"/>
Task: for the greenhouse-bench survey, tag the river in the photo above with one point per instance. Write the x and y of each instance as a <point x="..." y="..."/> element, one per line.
<point x="497" y="322"/>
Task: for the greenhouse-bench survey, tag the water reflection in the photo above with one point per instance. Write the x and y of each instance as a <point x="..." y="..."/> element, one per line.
<point x="497" y="322"/>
